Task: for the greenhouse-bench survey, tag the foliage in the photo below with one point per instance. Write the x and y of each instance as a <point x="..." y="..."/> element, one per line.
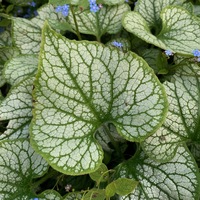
<point x="99" y="100"/>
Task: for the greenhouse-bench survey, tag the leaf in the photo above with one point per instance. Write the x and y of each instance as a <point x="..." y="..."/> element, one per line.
<point x="19" y="165"/>
<point x="106" y="20"/>
<point x="121" y="186"/>
<point x="26" y="36"/>
<point x="27" y="33"/>
<point x="5" y="39"/>
<point x="182" y="122"/>
<point x="73" y="196"/>
<point x="94" y="194"/>
<point x="156" y="60"/>
<point x="20" y="67"/>
<point x="47" y="12"/>
<point x="176" y="179"/>
<point x="101" y="174"/>
<point x="178" y="25"/>
<point x="150" y="10"/>
<point x="50" y="195"/>
<point x="2" y="79"/>
<point x="16" y="108"/>
<point x="6" y="53"/>
<point x="79" y="87"/>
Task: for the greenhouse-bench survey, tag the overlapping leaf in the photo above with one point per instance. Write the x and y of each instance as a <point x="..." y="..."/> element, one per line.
<point x="150" y="10"/>
<point x="182" y="122"/>
<point x="16" y="108"/>
<point x="81" y="85"/>
<point x="19" y="165"/>
<point x="177" y="179"/>
<point x="27" y="33"/>
<point x="180" y="30"/>
<point x="20" y="67"/>
<point x="50" y="195"/>
<point x="106" y="20"/>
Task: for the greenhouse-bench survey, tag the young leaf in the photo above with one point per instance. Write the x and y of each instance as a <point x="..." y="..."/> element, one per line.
<point x="16" y="108"/>
<point x="182" y="122"/>
<point x="121" y="186"/>
<point x="101" y="174"/>
<point x="106" y="20"/>
<point x="80" y="86"/>
<point x="94" y="194"/>
<point x="19" y="165"/>
<point x="178" y="25"/>
<point x="176" y="179"/>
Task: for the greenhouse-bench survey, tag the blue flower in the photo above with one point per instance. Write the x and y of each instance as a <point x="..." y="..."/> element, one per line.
<point x="196" y="53"/>
<point x="63" y="9"/>
<point x="168" y="53"/>
<point x="33" y="4"/>
<point x="117" y="44"/>
<point x="93" y="6"/>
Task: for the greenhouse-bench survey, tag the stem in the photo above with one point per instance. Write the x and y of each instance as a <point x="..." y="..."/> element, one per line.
<point x="114" y="143"/>
<point x="76" y="25"/>
<point x="49" y="174"/>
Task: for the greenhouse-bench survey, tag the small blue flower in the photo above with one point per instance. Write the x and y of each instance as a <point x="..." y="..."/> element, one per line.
<point x="63" y="9"/>
<point x="33" y="4"/>
<point x="93" y="6"/>
<point x="168" y="53"/>
<point x="117" y="44"/>
<point x="196" y="53"/>
<point x="34" y="198"/>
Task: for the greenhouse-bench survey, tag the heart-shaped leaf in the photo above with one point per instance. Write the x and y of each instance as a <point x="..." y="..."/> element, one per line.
<point x="19" y="165"/>
<point x="16" y="108"/>
<point x="180" y="30"/>
<point x="182" y="122"/>
<point x="176" y="179"/>
<point x="79" y="87"/>
<point x="150" y="10"/>
<point x="106" y="20"/>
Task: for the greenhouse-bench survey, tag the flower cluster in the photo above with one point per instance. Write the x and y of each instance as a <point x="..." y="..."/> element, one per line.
<point x="196" y="54"/>
<point x="168" y="53"/>
<point x="63" y="9"/>
<point x="117" y="44"/>
<point x="93" y="6"/>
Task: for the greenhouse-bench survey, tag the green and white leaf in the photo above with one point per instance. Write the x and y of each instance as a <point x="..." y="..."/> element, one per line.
<point x="50" y="195"/>
<point x="27" y="33"/>
<point x="150" y="10"/>
<point x="180" y="30"/>
<point x="176" y="179"/>
<point x="5" y="39"/>
<point x="106" y="20"/>
<point x="80" y="86"/>
<point x="17" y="108"/>
<point x="183" y="118"/>
<point x="19" y="165"/>
<point x="20" y="68"/>
<point x="2" y="79"/>
<point x="73" y="196"/>
<point x="6" y="53"/>
<point x="47" y="12"/>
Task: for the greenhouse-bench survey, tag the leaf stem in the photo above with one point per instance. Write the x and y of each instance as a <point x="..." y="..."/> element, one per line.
<point x="76" y="25"/>
<point x="114" y="143"/>
<point x="48" y="175"/>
